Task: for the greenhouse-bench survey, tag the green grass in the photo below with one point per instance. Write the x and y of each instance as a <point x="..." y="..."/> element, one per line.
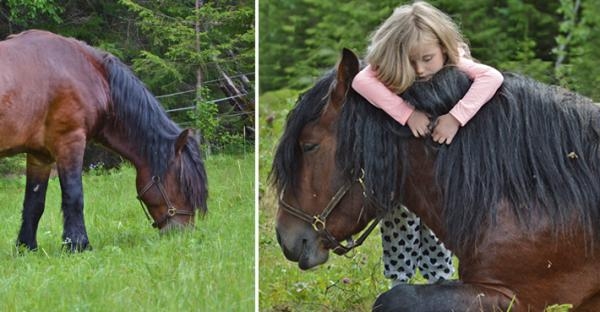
<point x="132" y="267"/>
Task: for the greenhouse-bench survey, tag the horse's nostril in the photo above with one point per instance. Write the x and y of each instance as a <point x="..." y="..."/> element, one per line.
<point x="304" y="244"/>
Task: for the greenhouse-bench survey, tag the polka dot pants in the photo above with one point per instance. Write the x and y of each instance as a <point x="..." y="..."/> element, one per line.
<point x="408" y="244"/>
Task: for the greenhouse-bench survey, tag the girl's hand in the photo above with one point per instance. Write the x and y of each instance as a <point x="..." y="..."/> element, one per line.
<point x="418" y="122"/>
<point x="445" y="129"/>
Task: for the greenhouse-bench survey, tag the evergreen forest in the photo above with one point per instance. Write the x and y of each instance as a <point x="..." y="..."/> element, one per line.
<point x="196" y="56"/>
<point x="552" y="41"/>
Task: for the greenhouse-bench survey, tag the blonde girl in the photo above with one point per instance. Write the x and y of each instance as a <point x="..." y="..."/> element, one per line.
<point x="414" y="43"/>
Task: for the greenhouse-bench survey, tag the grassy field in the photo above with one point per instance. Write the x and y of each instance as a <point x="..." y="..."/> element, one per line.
<point x="349" y="283"/>
<point x="131" y="267"/>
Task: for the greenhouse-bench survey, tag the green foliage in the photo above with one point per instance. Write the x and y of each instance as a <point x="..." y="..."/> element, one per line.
<point x="205" y="118"/>
<point x="155" y="70"/>
<point x="183" y="39"/>
<point x="571" y="36"/>
<point x="215" y="135"/>
<point x="173" y="47"/>
<point x="24" y="11"/>
<point x="300" y="39"/>
<point x="190" y="46"/>
<point x="524" y="62"/>
<point x="12" y="165"/>
<point x="559" y="308"/>
<point x="580" y="71"/>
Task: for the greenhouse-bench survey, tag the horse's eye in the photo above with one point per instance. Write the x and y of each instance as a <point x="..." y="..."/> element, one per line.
<point x="309" y="147"/>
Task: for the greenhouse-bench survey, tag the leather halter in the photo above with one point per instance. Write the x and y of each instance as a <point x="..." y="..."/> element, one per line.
<point x="171" y="210"/>
<point x="318" y="221"/>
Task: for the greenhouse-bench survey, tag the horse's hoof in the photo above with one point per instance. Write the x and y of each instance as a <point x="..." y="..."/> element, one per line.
<point x="23" y="246"/>
<point x="76" y="246"/>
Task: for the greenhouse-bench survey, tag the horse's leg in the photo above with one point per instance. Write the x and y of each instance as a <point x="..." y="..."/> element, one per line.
<point x="38" y="172"/>
<point x="69" y="163"/>
<point x="444" y="296"/>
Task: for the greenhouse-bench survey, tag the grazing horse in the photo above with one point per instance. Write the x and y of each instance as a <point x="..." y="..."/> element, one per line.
<point x="516" y="196"/>
<point x="56" y="94"/>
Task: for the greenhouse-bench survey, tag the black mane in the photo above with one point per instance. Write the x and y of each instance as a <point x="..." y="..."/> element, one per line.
<point x="308" y="108"/>
<point x="533" y="145"/>
<point x="140" y="116"/>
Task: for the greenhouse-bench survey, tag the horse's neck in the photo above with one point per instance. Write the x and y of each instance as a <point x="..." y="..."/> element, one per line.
<point x="421" y="195"/>
<point x="116" y="141"/>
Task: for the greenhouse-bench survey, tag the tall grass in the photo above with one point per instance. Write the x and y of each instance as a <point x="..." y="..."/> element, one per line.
<point x="132" y="267"/>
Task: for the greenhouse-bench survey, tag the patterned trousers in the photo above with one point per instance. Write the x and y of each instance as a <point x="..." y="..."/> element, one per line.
<point x="408" y="244"/>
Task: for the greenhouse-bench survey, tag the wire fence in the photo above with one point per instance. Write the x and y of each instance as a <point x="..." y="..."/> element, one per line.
<point x="247" y="132"/>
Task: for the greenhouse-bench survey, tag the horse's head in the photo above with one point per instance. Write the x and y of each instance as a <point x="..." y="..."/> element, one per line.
<point x="320" y="204"/>
<point x="173" y="197"/>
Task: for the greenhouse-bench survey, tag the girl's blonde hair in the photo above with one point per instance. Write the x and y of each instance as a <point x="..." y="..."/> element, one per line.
<point x="408" y="26"/>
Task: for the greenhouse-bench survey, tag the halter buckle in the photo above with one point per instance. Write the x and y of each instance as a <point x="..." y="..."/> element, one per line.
<point x="318" y="224"/>
<point x="171" y="211"/>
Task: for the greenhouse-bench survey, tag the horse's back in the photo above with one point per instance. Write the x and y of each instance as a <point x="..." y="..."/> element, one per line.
<point x="49" y="84"/>
<point x="36" y="56"/>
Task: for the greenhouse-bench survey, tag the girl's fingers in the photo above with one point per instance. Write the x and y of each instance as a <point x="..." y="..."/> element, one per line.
<point x="415" y="133"/>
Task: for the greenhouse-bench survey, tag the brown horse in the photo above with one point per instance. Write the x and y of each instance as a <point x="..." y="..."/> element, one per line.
<point x="515" y="196"/>
<point x="56" y="94"/>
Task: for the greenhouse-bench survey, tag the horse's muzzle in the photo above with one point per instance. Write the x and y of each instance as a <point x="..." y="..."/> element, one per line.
<point x="302" y="246"/>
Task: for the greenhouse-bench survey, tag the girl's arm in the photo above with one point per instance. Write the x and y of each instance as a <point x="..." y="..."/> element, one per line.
<point x="374" y="91"/>
<point x="486" y="81"/>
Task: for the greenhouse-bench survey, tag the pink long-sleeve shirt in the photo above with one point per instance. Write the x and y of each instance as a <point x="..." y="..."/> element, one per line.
<point x="486" y="81"/>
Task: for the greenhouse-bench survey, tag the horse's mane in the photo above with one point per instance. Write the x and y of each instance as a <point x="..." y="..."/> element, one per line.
<point x="308" y="108"/>
<point x="533" y="145"/>
<point x="139" y="115"/>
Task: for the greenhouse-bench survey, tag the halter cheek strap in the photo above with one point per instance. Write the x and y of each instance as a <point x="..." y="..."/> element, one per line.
<point x="171" y="210"/>
<point x="318" y="221"/>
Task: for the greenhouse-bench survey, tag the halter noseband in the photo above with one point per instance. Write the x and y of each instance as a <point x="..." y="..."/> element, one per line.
<point x="171" y="210"/>
<point x="318" y="221"/>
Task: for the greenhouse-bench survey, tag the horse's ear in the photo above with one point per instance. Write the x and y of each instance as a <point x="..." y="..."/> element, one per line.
<point x="347" y="68"/>
<point x="182" y="141"/>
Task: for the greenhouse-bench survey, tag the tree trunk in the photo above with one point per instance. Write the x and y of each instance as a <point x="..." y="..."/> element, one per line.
<point x="236" y="97"/>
